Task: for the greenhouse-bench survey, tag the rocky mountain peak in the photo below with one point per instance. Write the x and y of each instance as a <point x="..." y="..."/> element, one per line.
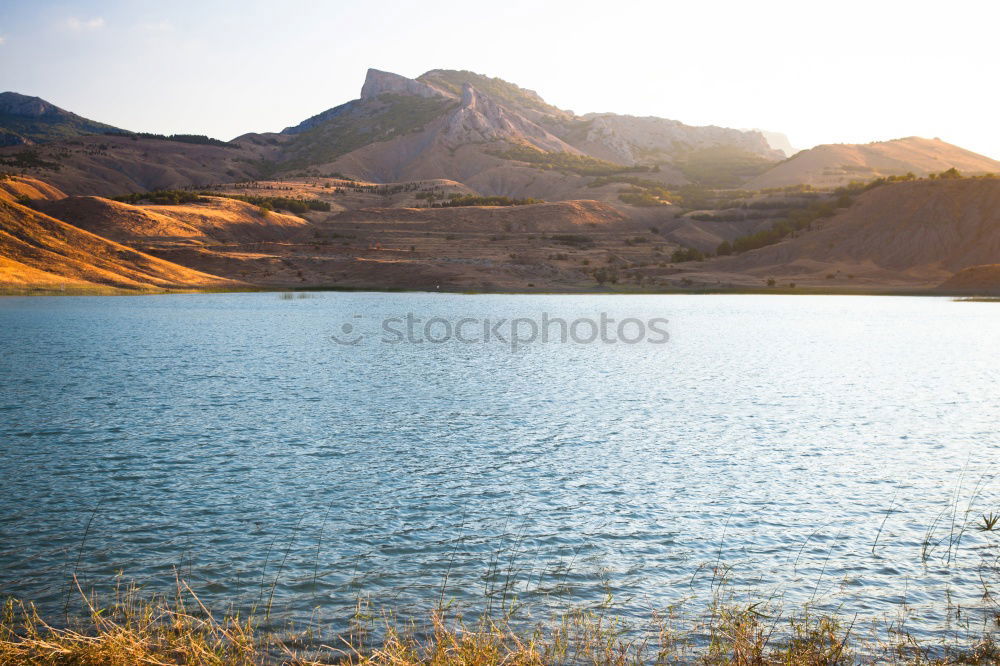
<point x="378" y="83"/>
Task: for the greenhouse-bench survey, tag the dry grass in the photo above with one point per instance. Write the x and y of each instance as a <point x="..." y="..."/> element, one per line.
<point x="131" y="629"/>
<point x="128" y="630"/>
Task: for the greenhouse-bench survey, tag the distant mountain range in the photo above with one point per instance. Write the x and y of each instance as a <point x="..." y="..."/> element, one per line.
<point x="490" y="135"/>
<point x="435" y="182"/>
<point x="500" y="139"/>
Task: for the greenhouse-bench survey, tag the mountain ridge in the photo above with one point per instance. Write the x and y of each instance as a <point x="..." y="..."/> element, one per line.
<point x="829" y="165"/>
<point x="25" y="120"/>
<point x="495" y="137"/>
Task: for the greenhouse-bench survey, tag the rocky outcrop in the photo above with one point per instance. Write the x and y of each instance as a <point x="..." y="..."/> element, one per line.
<point x="378" y="83"/>
<point x="495" y="110"/>
<point x="778" y="141"/>
<point x="12" y="139"/>
<point x="632" y="139"/>
<point x="480" y="119"/>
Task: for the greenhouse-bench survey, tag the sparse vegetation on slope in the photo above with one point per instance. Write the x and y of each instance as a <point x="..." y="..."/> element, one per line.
<point x="796" y="219"/>
<point x="176" y="197"/>
<point x="722" y="166"/>
<point x="582" y="165"/>
<point x="197" y="139"/>
<point x="28" y="159"/>
<point x="922" y="231"/>
<point x="644" y="197"/>
<point x="356" y="125"/>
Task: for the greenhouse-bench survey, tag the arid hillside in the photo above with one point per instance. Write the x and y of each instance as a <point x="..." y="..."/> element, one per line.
<point x="28" y="189"/>
<point x="25" y="120"/>
<point x="112" y="165"/>
<point x="38" y="251"/>
<point x="543" y="217"/>
<point x="367" y="238"/>
<point x="916" y="233"/>
<point x="899" y="236"/>
<point x="837" y="164"/>
<point x="974" y="280"/>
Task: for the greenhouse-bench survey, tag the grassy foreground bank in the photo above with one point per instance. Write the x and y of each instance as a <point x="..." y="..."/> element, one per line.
<point x="132" y="629"/>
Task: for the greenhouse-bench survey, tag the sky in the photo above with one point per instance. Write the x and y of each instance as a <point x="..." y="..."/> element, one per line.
<point x="819" y="72"/>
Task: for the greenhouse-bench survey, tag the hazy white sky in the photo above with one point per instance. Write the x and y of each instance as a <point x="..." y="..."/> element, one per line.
<point x="821" y="72"/>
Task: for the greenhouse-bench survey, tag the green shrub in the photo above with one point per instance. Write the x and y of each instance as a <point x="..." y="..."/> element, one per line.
<point x="162" y="197"/>
<point x="473" y="200"/>
<point x="636" y="197"/>
<point x="684" y="254"/>
<point x="578" y="240"/>
<point x="199" y="139"/>
<point x="288" y="204"/>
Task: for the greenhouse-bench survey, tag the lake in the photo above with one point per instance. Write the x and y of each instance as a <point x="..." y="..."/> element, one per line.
<point x="832" y="451"/>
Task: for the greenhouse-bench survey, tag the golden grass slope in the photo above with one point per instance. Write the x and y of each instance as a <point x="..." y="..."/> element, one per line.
<point x="837" y="164"/>
<point x="218" y="220"/>
<point x="13" y="188"/>
<point x="39" y="251"/>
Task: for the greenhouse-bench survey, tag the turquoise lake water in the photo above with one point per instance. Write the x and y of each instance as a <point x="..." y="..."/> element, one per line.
<point x="830" y="450"/>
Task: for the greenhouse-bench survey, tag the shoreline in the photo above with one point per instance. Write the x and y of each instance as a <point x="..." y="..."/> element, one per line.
<point x="132" y="627"/>
<point x="987" y="295"/>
